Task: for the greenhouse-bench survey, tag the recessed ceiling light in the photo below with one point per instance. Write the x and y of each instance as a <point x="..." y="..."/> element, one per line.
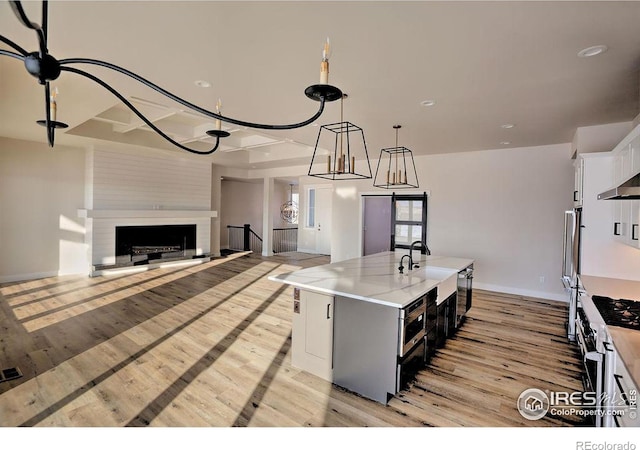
<point x="505" y="143"/>
<point x="202" y="83"/>
<point x="592" y="51"/>
<point x="506" y="126"/>
<point x="428" y="102"/>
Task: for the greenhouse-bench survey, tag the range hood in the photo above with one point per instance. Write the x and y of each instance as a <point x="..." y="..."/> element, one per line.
<point x="628" y="190"/>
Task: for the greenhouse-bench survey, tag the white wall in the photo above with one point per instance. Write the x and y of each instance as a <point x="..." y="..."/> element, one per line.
<point x="502" y="208"/>
<point x="41" y="190"/>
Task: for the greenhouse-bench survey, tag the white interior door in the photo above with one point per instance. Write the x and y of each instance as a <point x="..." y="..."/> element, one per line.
<point x="323" y="221"/>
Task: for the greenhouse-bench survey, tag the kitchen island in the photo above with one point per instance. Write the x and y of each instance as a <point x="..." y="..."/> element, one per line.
<point x="365" y="326"/>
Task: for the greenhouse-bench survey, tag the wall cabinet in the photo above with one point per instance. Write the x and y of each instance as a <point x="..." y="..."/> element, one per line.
<point x="626" y="163"/>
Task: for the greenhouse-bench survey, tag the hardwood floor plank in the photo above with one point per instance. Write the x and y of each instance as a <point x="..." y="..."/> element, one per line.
<point x="209" y="346"/>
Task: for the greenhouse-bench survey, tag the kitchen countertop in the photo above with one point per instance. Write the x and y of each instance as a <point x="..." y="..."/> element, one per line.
<point x="611" y="287"/>
<point x="376" y="279"/>
<point x="625" y="340"/>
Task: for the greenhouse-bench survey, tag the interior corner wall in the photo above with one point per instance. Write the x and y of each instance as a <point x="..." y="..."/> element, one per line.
<point x="241" y="204"/>
<point x="41" y="190"/>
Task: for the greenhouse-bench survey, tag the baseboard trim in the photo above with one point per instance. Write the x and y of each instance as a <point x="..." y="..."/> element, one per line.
<point x="524" y="292"/>
<point x="27" y="276"/>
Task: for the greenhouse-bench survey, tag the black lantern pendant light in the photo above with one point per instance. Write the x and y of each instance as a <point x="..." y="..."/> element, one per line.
<point x="349" y="146"/>
<point x="396" y="168"/>
<point x="41" y="65"/>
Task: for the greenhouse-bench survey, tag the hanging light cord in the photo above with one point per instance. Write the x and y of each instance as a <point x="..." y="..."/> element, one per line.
<point x="46" y="68"/>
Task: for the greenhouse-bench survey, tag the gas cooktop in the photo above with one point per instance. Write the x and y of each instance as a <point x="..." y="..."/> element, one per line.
<point x="618" y="312"/>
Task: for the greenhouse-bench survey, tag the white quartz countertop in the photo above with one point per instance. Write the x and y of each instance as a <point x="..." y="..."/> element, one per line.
<point x="375" y="278"/>
<point x="611" y="287"/>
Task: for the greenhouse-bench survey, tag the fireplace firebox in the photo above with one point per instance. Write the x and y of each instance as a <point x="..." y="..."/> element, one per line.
<point x="150" y="243"/>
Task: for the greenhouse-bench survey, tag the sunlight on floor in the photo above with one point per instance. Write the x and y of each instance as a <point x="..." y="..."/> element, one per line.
<point x="147" y="370"/>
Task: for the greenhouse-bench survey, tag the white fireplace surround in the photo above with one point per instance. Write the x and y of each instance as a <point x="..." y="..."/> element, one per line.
<point x="101" y="228"/>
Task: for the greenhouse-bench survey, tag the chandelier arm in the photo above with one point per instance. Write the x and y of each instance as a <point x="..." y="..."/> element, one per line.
<point x="155" y="87"/>
<point x="45" y="23"/>
<point x="13" y="55"/>
<point x="48" y="123"/>
<point x="15" y="46"/>
<point x="138" y="113"/>
<point x="18" y="10"/>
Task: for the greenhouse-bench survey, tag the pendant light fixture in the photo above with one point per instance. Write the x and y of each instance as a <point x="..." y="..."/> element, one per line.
<point x="348" y="159"/>
<point x="396" y="168"/>
<point x="289" y="210"/>
<point x="41" y="65"/>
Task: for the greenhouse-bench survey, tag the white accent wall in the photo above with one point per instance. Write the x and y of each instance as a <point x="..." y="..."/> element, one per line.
<point x="142" y="183"/>
<point x="41" y="190"/>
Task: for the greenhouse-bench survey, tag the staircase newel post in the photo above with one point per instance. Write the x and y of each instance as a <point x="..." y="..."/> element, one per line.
<point x="247" y="237"/>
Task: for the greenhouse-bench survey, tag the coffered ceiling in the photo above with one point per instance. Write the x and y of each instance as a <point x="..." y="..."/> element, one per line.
<point x="485" y="64"/>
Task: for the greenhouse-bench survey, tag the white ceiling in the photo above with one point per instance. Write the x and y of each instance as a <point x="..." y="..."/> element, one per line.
<point x="484" y="63"/>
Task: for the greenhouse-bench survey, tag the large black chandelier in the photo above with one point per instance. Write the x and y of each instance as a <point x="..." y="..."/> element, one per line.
<point x="46" y="68"/>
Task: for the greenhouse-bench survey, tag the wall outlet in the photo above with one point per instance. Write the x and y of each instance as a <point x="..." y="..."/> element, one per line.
<point x="541" y="280"/>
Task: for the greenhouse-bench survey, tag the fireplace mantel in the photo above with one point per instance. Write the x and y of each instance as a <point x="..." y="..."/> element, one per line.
<point x="144" y="213"/>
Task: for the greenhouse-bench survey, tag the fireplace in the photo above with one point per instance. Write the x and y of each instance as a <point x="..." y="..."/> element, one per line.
<point x="145" y="244"/>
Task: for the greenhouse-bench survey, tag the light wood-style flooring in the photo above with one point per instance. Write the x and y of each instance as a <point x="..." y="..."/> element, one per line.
<point x="208" y="346"/>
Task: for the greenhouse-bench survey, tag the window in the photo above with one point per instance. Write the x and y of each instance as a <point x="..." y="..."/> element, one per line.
<point x="409" y="213"/>
<point x="311" y="208"/>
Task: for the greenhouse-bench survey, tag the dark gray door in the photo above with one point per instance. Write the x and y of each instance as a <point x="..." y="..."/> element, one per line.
<point x="377" y="224"/>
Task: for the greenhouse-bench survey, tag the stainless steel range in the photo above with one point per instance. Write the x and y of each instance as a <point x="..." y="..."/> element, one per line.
<point x="605" y="374"/>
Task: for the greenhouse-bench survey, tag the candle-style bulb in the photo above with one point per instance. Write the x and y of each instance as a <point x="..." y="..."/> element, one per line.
<point x="324" y="65"/>
<point x="218" y="108"/>
<point x="326" y="51"/>
<point x="53" y="105"/>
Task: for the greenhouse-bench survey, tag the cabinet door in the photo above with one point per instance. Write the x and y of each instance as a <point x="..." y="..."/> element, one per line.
<point x="318" y="338"/>
<point x="635" y="155"/>
<point x="621" y="216"/>
<point x="441" y="332"/>
<point x="431" y="322"/>
<point x="312" y="334"/>
<point x="635" y="219"/>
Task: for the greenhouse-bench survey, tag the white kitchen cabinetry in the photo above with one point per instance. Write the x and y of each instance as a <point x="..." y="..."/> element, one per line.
<point x="578" y="183"/>
<point x="312" y="333"/>
<point x="626" y="163"/>
<point x="635" y="220"/>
